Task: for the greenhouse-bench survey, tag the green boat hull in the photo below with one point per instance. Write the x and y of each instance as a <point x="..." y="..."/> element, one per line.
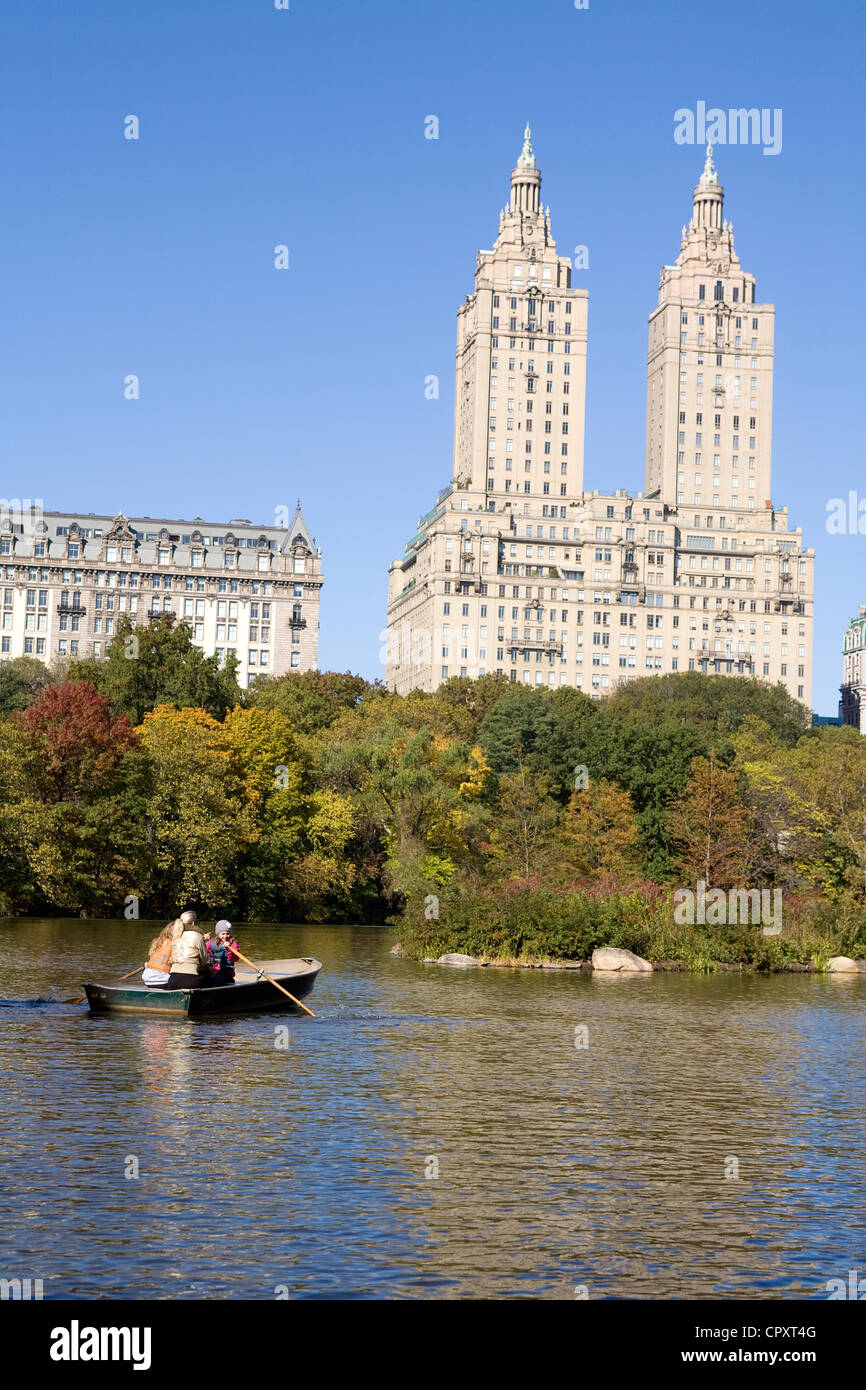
<point x="248" y="993"/>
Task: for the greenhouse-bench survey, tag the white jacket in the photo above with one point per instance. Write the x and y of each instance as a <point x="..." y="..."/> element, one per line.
<point x="189" y="953"/>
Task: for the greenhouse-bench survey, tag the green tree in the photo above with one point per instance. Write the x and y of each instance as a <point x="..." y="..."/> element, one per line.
<point x="157" y="663"/>
<point x="810" y="805"/>
<point x="522" y="728"/>
<point x="19" y="782"/>
<point x="21" y="682"/>
<point x="311" y="700"/>
<point x="575" y="715"/>
<point x="418" y="792"/>
<point x="459" y="706"/>
<point x="523" y="825"/>
<point x="650" y="758"/>
<point x="720" y="702"/>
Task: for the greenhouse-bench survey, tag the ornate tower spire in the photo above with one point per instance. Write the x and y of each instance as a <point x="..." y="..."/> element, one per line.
<point x="709" y="175"/>
<point x="527" y="158"/>
<point x="708" y="198"/>
<point x="526" y="180"/>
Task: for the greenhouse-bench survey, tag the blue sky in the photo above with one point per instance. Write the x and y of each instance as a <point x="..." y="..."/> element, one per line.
<point x="305" y="127"/>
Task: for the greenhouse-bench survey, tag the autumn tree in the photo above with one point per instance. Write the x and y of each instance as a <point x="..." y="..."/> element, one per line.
<point x="600" y="836"/>
<point x="299" y="859"/>
<point x="201" y="817"/>
<point x="710" y="826"/>
<point x="810" y="802"/>
<point x="75" y="781"/>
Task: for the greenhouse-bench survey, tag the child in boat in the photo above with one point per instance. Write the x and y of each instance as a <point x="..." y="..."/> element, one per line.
<point x="158" y="967"/>
<point x="223" y="953"/>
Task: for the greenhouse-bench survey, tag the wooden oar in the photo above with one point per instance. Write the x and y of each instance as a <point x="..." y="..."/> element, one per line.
<point x="259" y="971"/>
<point x="84" y="996"/>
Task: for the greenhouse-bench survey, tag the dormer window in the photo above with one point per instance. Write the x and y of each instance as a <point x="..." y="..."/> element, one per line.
<point x="163" y="556"/>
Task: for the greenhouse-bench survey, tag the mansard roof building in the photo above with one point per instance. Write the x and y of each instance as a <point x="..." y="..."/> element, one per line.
<point x="66" y="578"/>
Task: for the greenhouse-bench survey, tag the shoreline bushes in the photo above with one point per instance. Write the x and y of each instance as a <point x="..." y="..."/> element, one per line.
<point x="534" y="923"/>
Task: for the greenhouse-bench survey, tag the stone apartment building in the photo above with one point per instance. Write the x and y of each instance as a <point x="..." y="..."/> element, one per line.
<point x="852" y="706"/>
<point x="517" y="570"/>
<point x="252" y="590"/>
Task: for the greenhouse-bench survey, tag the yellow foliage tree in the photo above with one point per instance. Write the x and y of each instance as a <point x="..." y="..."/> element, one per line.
<point x="600" y="837"/>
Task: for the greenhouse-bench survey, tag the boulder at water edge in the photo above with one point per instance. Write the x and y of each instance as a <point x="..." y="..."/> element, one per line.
<point x="455" y="958"/>
<point x="844" y="965"/>
<point x="613" y="958"/>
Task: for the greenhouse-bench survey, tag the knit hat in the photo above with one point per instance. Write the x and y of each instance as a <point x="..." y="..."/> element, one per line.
<point x="222" y="926"/>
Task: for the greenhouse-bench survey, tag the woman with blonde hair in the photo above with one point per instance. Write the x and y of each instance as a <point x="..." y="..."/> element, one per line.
<point x="158" y="967"/>
<point x="190" y="967"/>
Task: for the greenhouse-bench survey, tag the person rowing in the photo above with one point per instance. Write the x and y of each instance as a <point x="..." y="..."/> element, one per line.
<point x="223" y="953"/>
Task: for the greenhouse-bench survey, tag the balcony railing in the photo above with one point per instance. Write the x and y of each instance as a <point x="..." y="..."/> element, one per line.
<point x="534" y="644"/>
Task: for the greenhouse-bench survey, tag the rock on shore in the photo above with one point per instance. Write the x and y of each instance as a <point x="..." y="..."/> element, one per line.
<point x="844" y="965"/>
<point x="613" y="958"/>
<point x="455" y="958"/>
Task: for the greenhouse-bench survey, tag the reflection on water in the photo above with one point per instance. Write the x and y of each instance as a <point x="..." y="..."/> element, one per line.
<point x="304" y="1166"/>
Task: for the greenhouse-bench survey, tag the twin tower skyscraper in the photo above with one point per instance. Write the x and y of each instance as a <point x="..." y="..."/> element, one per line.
<point x="518" y="570"/>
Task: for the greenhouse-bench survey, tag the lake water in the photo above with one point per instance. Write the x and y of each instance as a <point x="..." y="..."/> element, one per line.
<point x="303" y="1171"/>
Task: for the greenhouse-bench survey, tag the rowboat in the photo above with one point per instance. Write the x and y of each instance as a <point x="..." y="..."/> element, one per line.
<point x="248" y="992"/>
